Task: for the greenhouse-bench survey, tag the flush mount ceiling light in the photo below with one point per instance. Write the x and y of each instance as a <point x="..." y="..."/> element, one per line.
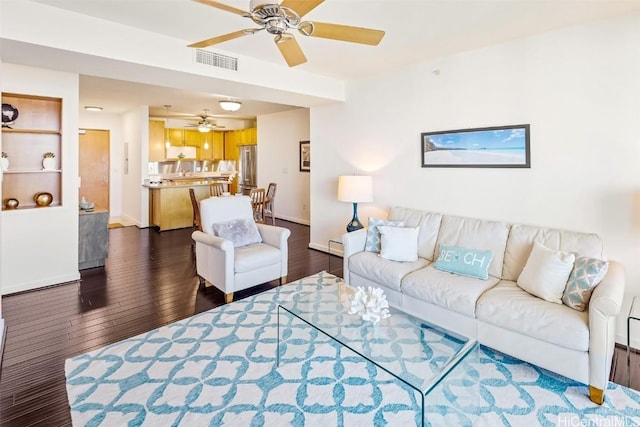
<point x="230" y="105"/>
<point x="92" y="108"/>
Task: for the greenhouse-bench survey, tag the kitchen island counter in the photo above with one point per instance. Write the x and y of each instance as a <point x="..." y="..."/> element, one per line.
<point x="170" y="204"/>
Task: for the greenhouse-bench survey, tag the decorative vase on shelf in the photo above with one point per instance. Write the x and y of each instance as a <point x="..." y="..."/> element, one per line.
<point x="49" y="163"/>
<point x="43" y="199"/>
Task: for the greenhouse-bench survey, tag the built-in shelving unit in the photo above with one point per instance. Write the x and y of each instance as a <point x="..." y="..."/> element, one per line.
<point x="36" y="131"/>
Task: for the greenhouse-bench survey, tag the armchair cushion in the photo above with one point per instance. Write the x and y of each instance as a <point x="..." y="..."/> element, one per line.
<point x="253" y="257"/>
<point x="241" y="231"/>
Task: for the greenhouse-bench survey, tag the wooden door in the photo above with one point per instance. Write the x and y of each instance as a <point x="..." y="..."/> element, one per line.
<point x="94" y="167"/>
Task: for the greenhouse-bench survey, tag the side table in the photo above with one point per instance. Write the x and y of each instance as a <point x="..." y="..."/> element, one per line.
<point x="332" y="241"/>
<point x="634" y="314"/>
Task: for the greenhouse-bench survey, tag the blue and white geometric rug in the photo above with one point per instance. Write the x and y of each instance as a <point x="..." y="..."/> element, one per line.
<point x="218" y="368"/>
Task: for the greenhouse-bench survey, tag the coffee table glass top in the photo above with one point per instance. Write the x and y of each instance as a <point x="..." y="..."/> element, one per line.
<point x="410" y="349"/>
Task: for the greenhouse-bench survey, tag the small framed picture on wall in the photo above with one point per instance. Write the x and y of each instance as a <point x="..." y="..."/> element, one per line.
<point x="305" y="156"/>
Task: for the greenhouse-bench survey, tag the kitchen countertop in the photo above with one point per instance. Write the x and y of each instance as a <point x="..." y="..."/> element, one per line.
<point x="181" y="183"/>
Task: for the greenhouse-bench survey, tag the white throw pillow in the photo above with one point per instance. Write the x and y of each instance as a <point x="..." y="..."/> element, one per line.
<point x="399" y="243"/>
<point x="546" y="273"/>
<point x="241" y="232"/>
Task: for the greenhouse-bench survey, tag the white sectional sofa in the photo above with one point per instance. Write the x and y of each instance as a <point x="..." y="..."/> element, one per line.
<point x="501" y="315"/>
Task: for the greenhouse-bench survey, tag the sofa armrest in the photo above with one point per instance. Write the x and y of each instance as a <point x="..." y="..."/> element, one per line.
<point x="604" y="306"/>
<point x="606" y="299"/>
<point x="273" y="235"/>
<point x="352" y="243"/>
<point x="212" y="241"/>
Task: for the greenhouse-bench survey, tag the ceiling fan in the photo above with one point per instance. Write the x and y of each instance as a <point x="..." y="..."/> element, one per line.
<point x="204" y="125"/>
<point x="278" y="19"/>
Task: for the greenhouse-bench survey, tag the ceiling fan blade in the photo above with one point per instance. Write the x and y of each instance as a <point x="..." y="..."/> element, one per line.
<point x="290" y="50"/>
<point x="219" y="39"/>
<point x="221" y="6"/>
<point x="342" y="32"/>
<point x="301" y="7"/>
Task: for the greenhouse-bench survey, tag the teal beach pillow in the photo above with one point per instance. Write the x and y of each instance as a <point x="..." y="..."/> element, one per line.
<point x="372" y="243"/>
<point x="463" y="261"/>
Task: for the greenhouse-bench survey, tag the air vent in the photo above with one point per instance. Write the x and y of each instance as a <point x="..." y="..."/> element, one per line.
<point x="216" y="60"/>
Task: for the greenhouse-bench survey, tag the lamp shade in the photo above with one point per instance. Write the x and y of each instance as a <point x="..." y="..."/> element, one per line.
<point x="355" y="188"/>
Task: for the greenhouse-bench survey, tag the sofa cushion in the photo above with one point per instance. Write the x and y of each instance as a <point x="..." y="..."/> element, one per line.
<point x="399" y="243"/>
<point x="585" y="276"/>
<point x="429" y="223"/>
<point x="509" y="307"/>
<point x="372" y="244"/>
<point x="521" y="240"/>
<point x="477" y="234"/>
<point x="447" y="290"/>
<point x="251" y="257"/>
<point x="546" y="273"/>
<point x="464" y="261"/>
<point x="383" y="271"/>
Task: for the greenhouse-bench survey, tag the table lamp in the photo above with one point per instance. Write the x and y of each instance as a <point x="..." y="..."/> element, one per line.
<point x="355" y="189"/>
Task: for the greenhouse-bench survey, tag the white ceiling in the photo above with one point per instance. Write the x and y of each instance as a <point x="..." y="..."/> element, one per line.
<point x="416" y="30"/>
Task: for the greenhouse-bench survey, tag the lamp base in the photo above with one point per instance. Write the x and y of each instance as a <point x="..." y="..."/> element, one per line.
<point x="355" y="223"/>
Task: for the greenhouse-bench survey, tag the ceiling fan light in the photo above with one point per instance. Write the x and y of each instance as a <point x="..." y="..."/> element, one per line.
<point x="203" y="128"/>
<point x="229" y="105"/>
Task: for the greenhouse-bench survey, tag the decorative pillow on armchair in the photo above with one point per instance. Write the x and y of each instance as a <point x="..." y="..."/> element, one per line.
<point x="241" y="232"/>
<point x="373" y="235"/>
<point x="546" y="272"/>
<point x="585" y="276"/>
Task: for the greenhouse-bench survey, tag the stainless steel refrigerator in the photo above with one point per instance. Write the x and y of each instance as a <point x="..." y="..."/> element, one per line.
<point x="247" y="168"/>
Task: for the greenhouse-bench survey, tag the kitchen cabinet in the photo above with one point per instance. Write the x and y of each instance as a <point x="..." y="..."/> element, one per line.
<point x="156" y="141"/>
<point x="36" y="131"/>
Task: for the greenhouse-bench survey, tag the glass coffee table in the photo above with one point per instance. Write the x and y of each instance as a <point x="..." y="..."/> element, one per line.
<point x="413" y="351"/>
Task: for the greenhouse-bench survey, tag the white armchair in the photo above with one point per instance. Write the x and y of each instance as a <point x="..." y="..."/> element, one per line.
<point x="230" y="268"/>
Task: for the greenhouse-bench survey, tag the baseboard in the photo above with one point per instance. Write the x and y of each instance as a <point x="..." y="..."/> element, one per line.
<point x="292" y="219"/>
<point x="325" y="248"/>
<point x="127" y="220"/>
<point x="51" y="281"/>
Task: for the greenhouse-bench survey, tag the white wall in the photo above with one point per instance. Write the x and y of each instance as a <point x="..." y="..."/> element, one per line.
<point x="135" y="197"/>
<point x="112" y="123"/>
<point x="39" y="247"/>
<point x="279" y="137"/>
<point x="579" y="88"/>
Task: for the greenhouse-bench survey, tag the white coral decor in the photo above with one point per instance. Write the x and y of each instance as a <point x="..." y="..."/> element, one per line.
<point x="371" y="304"/>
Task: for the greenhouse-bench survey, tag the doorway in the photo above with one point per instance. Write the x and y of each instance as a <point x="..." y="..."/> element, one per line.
<point x="94" y="167"/>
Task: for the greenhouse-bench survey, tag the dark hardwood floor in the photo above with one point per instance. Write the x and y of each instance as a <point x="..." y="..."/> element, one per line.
<point x="148" y="281"/>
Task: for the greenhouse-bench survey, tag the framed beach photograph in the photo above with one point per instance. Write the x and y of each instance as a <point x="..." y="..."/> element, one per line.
<point x="491" y="147"/>
<point x="305" y="156"/>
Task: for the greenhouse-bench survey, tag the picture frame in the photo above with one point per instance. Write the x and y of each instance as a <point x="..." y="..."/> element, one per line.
<point x="305" y="156"/>
<point x="489" y="147"/>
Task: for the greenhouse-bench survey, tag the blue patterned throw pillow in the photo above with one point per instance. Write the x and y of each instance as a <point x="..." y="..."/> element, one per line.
<point x="373" y="235"/>
<point x="463" y="261"/>
<point x="585" y="276"/>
